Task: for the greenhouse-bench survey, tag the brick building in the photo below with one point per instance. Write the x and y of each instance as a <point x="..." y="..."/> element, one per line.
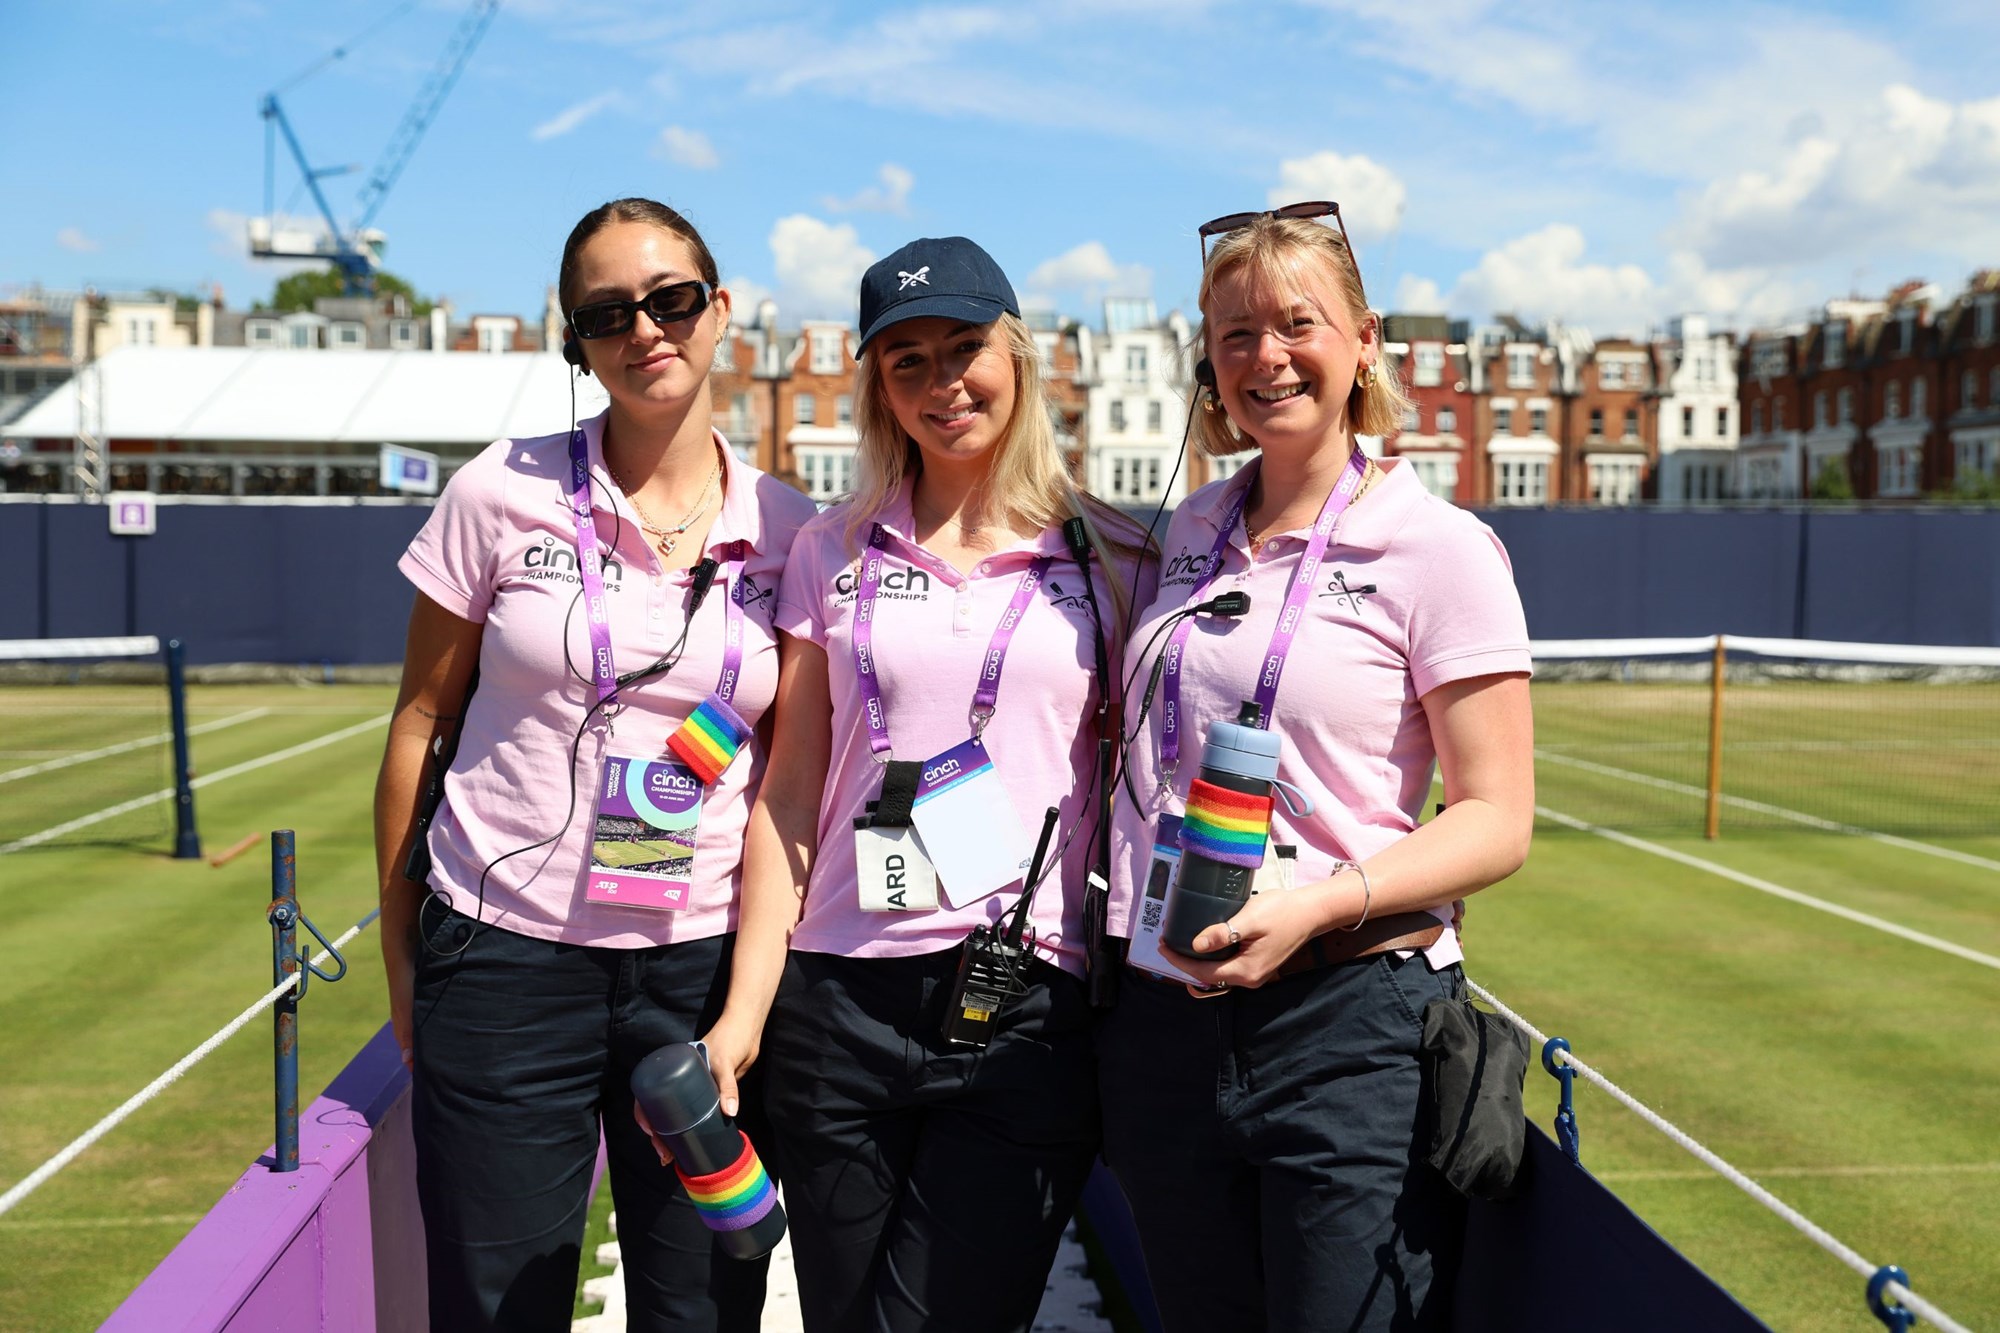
<point x="1607" y="436"/>
<point x="1967" y="442"/>
<point x="1427" y="353"/>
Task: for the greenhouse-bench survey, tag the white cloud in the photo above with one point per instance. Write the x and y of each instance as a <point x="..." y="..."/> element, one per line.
<point x="687" y="148"/>
<point x="1088" y="273"/>
<point x="1369" y="194"/>
<point x="1418" y="296"/>
<point x="73" y="240"/>
<point x="1915" y="172"/>
<point x="1544" y="275"/>
<point x="818" y="265"/>
<point x="745" y="294"/>
<point x="891" y="196"/>
<point x="563" y="122"/>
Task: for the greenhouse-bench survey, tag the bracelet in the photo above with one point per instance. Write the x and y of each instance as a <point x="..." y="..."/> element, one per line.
<point x="1367" y="892"/>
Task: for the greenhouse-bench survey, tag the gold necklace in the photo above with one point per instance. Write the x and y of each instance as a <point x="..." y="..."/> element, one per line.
<point x="1368" y="476"/>
<point x="669" y="537"/>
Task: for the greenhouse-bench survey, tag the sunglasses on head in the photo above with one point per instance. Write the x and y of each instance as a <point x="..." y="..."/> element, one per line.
<point x="1312" y="208"/>
<point x="663" y="305"/>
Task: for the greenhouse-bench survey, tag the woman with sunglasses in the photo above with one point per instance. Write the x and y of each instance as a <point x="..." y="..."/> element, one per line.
<point x="942" y="688"/>
<point x="1261" y="1103"/>
<point x="593" y="627"/>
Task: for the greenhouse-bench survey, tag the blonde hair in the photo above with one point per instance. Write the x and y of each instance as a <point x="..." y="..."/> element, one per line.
<point x="1030" y="485"/>
<point x="1275" y="254"/>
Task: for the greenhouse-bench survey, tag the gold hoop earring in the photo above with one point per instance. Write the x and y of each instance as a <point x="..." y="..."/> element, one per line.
<point x="1367" y="376"/>
<point x="1211" y="401"/>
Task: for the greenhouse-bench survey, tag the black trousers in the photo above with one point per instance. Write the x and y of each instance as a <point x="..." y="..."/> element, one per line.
<point x="524" y="1047"/>
<point x="928" y="1186"/>
<point x="1272" y="1149"/>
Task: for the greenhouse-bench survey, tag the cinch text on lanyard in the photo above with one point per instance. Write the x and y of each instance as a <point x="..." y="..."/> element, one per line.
<point x="1297" y="592"/>
<point x="984" y="698"/>
<point x="590" y="568"/>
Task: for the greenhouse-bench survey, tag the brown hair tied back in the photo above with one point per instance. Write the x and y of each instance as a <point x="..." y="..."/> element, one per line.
<point x="630" y="210"/>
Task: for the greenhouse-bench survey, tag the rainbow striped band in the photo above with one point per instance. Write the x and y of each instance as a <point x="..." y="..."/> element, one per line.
<point x="735" y="1198"/>
<point x="708" y="741"/>
<point x="1227" y="826"/>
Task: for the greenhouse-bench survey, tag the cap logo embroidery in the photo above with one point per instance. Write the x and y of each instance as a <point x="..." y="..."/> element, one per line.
<point x="922" y="275"/>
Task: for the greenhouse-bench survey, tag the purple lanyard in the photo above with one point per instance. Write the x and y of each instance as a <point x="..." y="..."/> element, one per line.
<point x="1282" y="635"/>
<point x="985" y="698"/>
<point x="589" y="564"/>
<point x="732" y="623"/>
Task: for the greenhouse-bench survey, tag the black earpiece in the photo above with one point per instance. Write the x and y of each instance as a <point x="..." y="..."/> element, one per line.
<point x="572" y="350"/>
<point x="1204" y="373"/>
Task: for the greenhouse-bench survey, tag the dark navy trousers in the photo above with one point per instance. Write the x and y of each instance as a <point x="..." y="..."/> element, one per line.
<point x="927" y="1186"/>
<point x="1271" y="1145"/>
<point x="524" y="1047"/>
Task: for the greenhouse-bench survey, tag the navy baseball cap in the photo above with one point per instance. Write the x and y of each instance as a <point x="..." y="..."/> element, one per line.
<point x="946" y="276"/>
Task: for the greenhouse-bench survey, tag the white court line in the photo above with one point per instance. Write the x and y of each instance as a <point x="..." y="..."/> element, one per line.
<point x="1745" y="803"/>
<point x="234" y="770"/>
<point x="1811" y="1172"/>
<point x="103" y="1223"/>
<point x="1775" y="890"/>
<point x="69" y="760"/>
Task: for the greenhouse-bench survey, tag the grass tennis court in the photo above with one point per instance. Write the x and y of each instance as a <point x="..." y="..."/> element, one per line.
<point x="1854" y="1072"/>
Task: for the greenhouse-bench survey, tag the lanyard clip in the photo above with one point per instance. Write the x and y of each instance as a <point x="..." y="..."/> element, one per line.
<point x="981" y="715"/>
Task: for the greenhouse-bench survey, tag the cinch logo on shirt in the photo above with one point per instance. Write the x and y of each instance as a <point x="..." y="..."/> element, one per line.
<point x="555" y="562"/>
<point x="908" y="585"/>
<point x="1184" y="568"/>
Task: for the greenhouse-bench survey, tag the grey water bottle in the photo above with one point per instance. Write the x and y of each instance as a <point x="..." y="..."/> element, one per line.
<point x="1219" y="857"/>
<point x="724" y="1177"/>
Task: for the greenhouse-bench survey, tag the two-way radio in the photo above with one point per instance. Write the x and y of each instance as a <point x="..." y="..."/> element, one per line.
<point x="993" y="963"/>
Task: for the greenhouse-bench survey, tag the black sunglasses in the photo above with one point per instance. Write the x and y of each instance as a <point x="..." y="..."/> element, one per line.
<point x="1312" y="208"/>
<point x="664" y="305"/>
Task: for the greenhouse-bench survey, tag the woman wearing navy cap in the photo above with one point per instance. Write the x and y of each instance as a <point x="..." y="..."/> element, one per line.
<point x="942" y="686"/>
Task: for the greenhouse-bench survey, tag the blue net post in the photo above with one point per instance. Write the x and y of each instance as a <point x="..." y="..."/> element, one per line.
<point x="1894" y="1317"/>
<point x="1566" y="1132"/>
<point x="286" y="963"/>
<point x="187" y="840"/>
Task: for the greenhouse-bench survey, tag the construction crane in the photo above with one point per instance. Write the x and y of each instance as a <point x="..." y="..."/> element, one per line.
<point x="357" y="250"/>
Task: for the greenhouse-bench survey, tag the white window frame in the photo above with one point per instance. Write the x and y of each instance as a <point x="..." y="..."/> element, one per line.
<point x="1836" y="346"/>
<point x="1968" y="390"/>
<point x="1901" y="466"/>
<point x="826" y="470"/>
<point x="1117" y="414"/>
<point x="303" y="336"/>
<point x="1520" y="479"/>
<point x="843" y="410"/>
<point x="1521" y="367"/>
<point x="1892" y="400"/>
<point x="346" y="335"/>
<point x="1615" y="481"/>
<point x="1135" y="362"/>
<point x="1920" y="398"/>
<point x="1427" y="371"/>
<point x="826" y="351"/>
<point x="403" y="335"/>
<point x="1156" y="416"/>
<point x="1722" y="422"/>
<point x="1503" y="421"/>
<point x="805" y="409"/>
<point x="1447" y="421"/>
<point x="1413" y="418"/>
<point x="1538" y="421"/>
<point x="260" y="333"/>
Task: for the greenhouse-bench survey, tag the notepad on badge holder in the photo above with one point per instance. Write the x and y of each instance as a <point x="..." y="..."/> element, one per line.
<point x="968" y="824"/>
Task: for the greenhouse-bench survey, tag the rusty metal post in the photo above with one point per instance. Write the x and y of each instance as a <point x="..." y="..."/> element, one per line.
<point x="286" y="962"/>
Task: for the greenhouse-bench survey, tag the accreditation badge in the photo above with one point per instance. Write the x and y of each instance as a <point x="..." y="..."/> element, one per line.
<point x="1149" y="914"/>
<point x="968" y="824"/>
<point x="642" y="837"/>
<point x="892" y="870"/>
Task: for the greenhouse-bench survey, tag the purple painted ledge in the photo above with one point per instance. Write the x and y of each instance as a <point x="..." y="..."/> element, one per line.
<point x="336" y="1245"/>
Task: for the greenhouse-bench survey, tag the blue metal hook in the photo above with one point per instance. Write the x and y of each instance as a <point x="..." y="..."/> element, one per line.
<point x="1893" y="1317"/>
<point x="339" y="962"/>
<point x="1566" y="1131"/>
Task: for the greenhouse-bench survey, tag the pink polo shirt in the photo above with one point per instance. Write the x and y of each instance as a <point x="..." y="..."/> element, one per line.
<point x="500" y="550"/>
<point x="1352" y="729"/>
<point x="932" y="629"/>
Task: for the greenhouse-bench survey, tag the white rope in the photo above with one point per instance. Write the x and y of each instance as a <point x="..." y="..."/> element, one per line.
<point x="35" y="1179"/>
<point x="1819" y="1235"/>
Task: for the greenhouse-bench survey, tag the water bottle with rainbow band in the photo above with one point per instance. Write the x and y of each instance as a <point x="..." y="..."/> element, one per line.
<point x="1224" y="832"/>
<point x="724" y="1177"/>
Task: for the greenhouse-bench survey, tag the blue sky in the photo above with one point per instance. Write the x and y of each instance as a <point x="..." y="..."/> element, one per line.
<point x="1607" y="165"/>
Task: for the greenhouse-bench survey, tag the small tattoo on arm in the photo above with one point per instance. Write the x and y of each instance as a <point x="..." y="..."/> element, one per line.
<point x="436" y="717"/>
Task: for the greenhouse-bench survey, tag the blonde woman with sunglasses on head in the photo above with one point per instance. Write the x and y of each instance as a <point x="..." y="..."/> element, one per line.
<point x="1262" y="1102"/>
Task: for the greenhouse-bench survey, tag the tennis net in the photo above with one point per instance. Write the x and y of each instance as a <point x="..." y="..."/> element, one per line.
<point x="1725" y="732"/>
<point x="93" y="744"/>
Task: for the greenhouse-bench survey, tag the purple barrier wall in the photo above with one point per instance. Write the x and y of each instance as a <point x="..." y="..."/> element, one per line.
<point x="336" y="1245"/>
